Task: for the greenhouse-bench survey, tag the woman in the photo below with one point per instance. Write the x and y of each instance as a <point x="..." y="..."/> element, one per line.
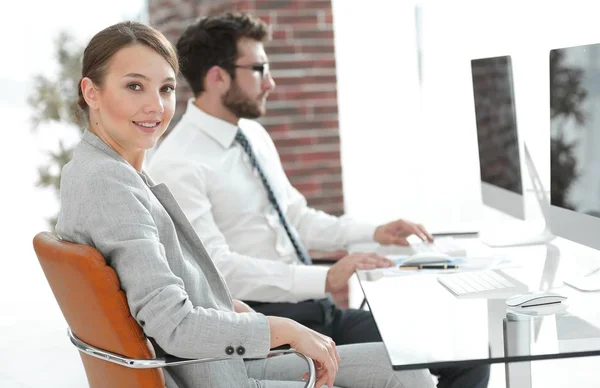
<point x="173" y="289"/>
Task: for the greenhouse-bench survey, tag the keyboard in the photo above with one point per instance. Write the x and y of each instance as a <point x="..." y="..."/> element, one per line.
<point x="473" y="284"/>
<point x="446" y="245"/>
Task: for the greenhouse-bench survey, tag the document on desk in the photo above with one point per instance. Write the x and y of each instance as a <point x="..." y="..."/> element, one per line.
<point x="462" y="263"/>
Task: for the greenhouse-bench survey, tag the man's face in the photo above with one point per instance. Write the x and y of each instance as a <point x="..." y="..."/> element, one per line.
<point x="247" y="95"/>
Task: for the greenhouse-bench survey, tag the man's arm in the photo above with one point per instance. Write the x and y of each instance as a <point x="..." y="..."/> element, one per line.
<point x="321" y="231"/>
<point x="248" y="278"/>
<point x="257" y="279"/>
<point x="317" y="229"/>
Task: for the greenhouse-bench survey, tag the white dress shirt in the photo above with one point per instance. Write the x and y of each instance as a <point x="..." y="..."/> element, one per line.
<point x="221" y="194"/>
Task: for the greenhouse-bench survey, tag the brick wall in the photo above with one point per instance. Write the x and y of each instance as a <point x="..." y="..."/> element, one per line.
<point x="302" y="114"/>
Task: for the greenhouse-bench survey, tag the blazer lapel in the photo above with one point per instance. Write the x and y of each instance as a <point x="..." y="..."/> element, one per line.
<point x="183" y="225"/>
<point x="163" y="194"/>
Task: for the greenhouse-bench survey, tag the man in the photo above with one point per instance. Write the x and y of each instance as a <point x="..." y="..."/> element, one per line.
<point x="225" y="172"/>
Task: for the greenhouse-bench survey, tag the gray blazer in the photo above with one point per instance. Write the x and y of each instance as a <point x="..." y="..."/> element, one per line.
<point x="173" y="289"/>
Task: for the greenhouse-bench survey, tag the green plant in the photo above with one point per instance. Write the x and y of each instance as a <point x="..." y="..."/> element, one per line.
<point x="54" y="100"/>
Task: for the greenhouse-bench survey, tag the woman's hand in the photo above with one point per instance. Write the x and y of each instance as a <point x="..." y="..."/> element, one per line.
<point x="310" y="343"/>
<point x="322" y="350"/>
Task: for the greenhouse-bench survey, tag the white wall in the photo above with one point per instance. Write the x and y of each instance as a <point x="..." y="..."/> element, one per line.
<point x="378" y="95"/>
<point x="391" y="155"/>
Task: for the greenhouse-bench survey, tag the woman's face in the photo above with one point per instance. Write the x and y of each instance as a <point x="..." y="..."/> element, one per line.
<point x="135" y="103"/>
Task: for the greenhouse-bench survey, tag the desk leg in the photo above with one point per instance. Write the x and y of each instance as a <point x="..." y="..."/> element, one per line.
<point x="518" y="374"/>
<point x="516" y="343"/>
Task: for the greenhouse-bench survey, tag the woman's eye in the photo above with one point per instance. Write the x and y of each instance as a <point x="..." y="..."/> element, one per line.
<point x="168" y="89"/>
<point x="135" y="87"/>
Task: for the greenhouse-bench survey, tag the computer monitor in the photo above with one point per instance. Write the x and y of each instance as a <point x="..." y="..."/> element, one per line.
<point x="575" y="143"/>
<point x="497" y="136"/>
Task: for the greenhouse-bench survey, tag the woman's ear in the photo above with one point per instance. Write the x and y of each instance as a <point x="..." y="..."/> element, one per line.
<point x="89" y="92"/>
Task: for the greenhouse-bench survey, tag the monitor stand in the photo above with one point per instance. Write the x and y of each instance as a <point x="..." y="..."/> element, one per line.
<point x="523" y="234"/>
<point x="585" y="283"/>
<point x="588" y="282"/>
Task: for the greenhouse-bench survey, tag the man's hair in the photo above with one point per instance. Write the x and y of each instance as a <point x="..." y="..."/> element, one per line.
<point x="212" y="41"/>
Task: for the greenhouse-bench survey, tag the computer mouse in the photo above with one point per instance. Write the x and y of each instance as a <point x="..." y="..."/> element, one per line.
<point x="427" y="258"/>
<point x="535" y="298"/>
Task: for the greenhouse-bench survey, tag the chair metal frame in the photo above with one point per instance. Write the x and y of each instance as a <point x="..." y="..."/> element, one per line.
<point x="162" y="362"/>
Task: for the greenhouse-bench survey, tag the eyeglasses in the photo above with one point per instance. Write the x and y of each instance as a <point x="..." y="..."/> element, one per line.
<point x="262" y="68"/>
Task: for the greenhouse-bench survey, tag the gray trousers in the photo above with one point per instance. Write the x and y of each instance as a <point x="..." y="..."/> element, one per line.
<point x="363" y="365"/>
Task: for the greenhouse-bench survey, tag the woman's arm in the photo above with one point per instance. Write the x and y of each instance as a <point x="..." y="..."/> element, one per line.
<point x="115" y="210"/>
<point x="310" y="343"/>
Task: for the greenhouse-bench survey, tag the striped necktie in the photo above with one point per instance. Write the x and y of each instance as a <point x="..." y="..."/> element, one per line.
<point x="298" y="247"/>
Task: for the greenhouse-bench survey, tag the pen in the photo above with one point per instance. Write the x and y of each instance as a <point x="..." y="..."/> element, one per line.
<point x="429" y="266"/>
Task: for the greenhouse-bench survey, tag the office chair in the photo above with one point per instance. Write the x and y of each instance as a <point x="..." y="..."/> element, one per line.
<point x="114" y="350"/>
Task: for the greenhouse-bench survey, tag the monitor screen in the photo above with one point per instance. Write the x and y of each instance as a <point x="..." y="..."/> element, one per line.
<point x="575" y="128"/>
<point x="496" y="123"/>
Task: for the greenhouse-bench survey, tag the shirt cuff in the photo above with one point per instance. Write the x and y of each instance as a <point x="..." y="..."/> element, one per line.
<point x="308" y="281"/>
<point x="360" y="233"/>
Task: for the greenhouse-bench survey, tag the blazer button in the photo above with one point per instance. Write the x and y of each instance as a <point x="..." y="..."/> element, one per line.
<point x="241" y="350"/>
<point x="229" y="350"/>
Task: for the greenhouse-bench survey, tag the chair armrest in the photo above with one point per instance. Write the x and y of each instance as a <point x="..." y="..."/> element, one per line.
<point x="168" y="360"/>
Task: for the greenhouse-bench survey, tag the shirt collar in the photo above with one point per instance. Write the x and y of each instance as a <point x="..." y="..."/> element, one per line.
<point x="221" y="131"/>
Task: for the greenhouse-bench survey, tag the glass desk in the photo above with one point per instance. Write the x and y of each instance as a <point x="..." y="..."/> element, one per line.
<point x="423" y="325"/>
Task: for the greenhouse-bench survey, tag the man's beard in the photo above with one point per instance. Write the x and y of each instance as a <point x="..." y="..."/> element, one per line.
<point x="241" y="105"/>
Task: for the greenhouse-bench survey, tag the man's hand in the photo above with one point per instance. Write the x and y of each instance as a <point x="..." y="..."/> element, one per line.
<point x="339" y="273"/>
<point x="396" y="232"/>
<point x="342" y="297"/>
<point x="241" y="307"/>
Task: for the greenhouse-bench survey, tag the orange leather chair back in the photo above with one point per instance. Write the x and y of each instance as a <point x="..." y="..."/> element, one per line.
<point x="88" y="293"/>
